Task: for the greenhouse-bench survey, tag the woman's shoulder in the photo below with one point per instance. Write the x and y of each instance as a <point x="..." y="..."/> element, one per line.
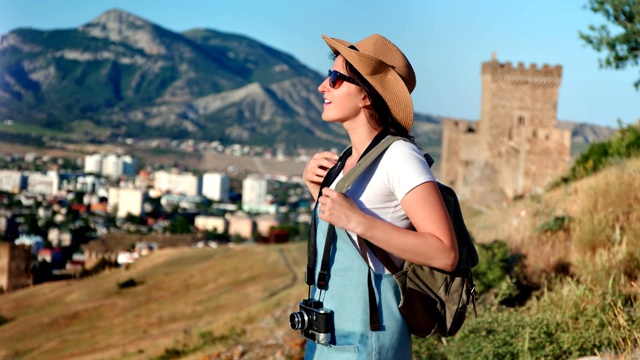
<point x="401" y="154"/>
<point x="404" y="147"/>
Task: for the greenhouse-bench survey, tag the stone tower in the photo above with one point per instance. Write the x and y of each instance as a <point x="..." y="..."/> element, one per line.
<point x="15" y="266"/>
<point x="515" y="147"/>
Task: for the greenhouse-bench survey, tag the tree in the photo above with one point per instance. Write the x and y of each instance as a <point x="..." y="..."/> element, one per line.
<point x="623" y="48"/>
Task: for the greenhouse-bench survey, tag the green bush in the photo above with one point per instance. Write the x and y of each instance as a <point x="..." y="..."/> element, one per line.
<point x="625" y="144"/>
<point x="555" y="224"/>
<point x="496" y="264"/>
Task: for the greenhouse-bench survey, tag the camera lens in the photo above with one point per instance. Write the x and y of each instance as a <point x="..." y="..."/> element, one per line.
<point x="298" y="320"/>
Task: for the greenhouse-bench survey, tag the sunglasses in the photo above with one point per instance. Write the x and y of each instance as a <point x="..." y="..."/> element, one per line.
<point x="336" y="78"/>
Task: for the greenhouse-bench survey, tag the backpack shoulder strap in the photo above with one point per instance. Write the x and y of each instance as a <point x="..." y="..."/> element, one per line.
<point x="345" y="183"/>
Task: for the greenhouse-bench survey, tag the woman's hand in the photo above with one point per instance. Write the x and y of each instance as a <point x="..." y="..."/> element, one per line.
<point x="316" y="169"/>
<point x="338" y="209"/>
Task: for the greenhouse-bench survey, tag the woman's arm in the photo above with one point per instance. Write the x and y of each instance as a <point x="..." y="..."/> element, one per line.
<point x="433" y="241"/>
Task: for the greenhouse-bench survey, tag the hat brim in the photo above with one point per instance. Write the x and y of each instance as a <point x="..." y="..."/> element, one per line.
<point x="382" y="77"/>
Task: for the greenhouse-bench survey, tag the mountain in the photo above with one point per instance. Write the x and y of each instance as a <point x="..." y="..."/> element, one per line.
<point x="126" y="76"/>
<point x="138" y="79"/>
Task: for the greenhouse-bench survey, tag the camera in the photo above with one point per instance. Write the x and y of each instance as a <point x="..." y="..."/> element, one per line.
<point x="314" y="321"/>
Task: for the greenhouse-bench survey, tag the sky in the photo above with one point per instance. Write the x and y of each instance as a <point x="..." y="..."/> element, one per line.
<point x="445" y="41"/>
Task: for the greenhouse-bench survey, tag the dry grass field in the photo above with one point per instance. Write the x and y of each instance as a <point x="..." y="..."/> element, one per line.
<point x="589" y="227"/>
<point x="181" y="293"/>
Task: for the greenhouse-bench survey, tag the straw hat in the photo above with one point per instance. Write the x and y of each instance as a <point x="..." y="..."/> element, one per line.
<point x="386" y="68"/>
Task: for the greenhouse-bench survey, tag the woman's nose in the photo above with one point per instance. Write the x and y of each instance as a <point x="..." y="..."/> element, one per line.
<point x="324" y="85"/>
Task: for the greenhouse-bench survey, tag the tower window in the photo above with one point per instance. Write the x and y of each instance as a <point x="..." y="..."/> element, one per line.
<point x="520" y="120"/>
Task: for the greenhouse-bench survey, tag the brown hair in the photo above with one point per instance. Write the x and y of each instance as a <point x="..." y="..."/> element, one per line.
<point x="382" y="114"/>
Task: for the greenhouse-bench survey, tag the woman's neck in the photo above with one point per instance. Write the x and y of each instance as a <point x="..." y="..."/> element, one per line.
<point x="360" y="138"/>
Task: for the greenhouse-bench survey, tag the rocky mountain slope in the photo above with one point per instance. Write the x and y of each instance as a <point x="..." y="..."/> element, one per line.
<point x="129" y="77"/>
<point x="138" y="79"/>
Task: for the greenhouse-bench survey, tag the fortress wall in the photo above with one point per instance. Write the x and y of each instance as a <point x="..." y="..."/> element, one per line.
<point x="453" y="131"/>
<point x="548" y="157"/>
<point x="515" y="148"/>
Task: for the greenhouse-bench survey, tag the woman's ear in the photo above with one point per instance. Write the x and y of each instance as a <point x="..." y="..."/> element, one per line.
<point x="364" y="99"/>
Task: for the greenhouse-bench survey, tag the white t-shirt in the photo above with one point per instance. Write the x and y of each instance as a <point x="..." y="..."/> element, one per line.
<point x="381" y="186"/>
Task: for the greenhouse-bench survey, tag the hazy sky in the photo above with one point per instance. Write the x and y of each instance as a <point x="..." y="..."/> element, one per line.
<point x="446" y="41"/>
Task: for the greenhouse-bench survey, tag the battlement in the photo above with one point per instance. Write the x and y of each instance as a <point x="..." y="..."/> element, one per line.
<point x="494" y="68"/>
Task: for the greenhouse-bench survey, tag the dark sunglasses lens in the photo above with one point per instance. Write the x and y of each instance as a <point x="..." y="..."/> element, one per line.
<point x="333" y="79"/>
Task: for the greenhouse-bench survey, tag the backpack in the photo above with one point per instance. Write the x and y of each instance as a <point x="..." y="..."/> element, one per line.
<point x="433" y="301"/>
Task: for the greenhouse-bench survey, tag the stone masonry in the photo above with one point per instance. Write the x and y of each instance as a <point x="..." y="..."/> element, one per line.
<point x="15" y="266"/>
<point x="515" y="149"/>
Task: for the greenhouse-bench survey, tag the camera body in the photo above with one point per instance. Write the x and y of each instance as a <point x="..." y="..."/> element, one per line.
<point x="314" y="321"/>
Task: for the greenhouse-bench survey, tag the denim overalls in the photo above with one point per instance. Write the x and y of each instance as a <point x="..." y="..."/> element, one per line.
<point x="347" y="296"/>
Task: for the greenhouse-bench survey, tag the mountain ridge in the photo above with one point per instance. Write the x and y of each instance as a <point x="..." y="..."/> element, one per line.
<point x="139" y="79"/>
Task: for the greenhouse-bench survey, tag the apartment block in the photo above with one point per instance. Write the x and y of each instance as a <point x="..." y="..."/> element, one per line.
<point x="125" y="201"/>
<point x="215" y="186"/>
<point x="110" y="165"/>
<point x="12" y="181"/>
<point x="178" y="183"/>
<point x="257" y="194"/>
<point x="43" y="184"/>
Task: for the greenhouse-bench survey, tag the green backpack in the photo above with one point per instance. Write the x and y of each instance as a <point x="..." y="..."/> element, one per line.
<point x="433" y="301"/>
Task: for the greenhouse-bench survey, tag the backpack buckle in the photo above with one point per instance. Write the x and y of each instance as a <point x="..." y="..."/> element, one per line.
<point x="472" y="297"/>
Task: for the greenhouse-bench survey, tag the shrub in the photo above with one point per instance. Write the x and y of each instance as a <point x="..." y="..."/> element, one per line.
<point x="555" y="224"/>
<point x="3" y="320"/>
<point x="131" y="282"/>
<point x="568" y="321"/>
<point x="496" y="264"/>
<point x="625" y="144"/>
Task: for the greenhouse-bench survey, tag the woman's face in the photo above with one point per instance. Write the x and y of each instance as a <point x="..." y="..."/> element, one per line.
<point x="344" y="102"/>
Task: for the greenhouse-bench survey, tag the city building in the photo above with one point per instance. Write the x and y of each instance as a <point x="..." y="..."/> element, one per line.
<point x="257" y="193"/>
<point x="93" y="164"/>
<point x="265" y="222"/>
<point x="216" y="224"/>
<point x="178" y="183"/>
<point x="92" y="184"/>
<point x="110" y="165"/>
<point x="124" y="201"/>
<point x="43" y="184"/>
<point x="215" y="186"/>
<point x="241" y="224"/>
<point x="12" y="181"/>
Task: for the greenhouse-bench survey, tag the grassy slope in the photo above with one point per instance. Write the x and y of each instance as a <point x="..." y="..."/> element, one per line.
<point x="184" y="291"/>
<point x="603" y="223"/>
<point x="187" y="291"/>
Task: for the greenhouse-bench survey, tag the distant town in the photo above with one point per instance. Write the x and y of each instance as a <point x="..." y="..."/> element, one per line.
<point x="53" y="209"/>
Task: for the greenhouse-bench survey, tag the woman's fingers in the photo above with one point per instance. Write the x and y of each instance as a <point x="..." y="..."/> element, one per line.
<point x="319" y="165"/>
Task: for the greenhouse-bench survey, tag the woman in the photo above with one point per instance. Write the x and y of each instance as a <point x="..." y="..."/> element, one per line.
<point x="395" y="203"/>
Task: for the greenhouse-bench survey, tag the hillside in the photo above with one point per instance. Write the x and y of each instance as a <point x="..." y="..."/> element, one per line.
<point x="243" y="294"/>
<point x="182" y="293"/>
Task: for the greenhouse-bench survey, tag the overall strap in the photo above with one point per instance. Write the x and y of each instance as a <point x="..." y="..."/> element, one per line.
<point x="332" y="174"/>
<point x="375" y="149"/>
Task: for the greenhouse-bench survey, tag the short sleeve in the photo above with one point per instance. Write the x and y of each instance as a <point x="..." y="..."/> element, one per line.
<point x="405" y="167"/>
